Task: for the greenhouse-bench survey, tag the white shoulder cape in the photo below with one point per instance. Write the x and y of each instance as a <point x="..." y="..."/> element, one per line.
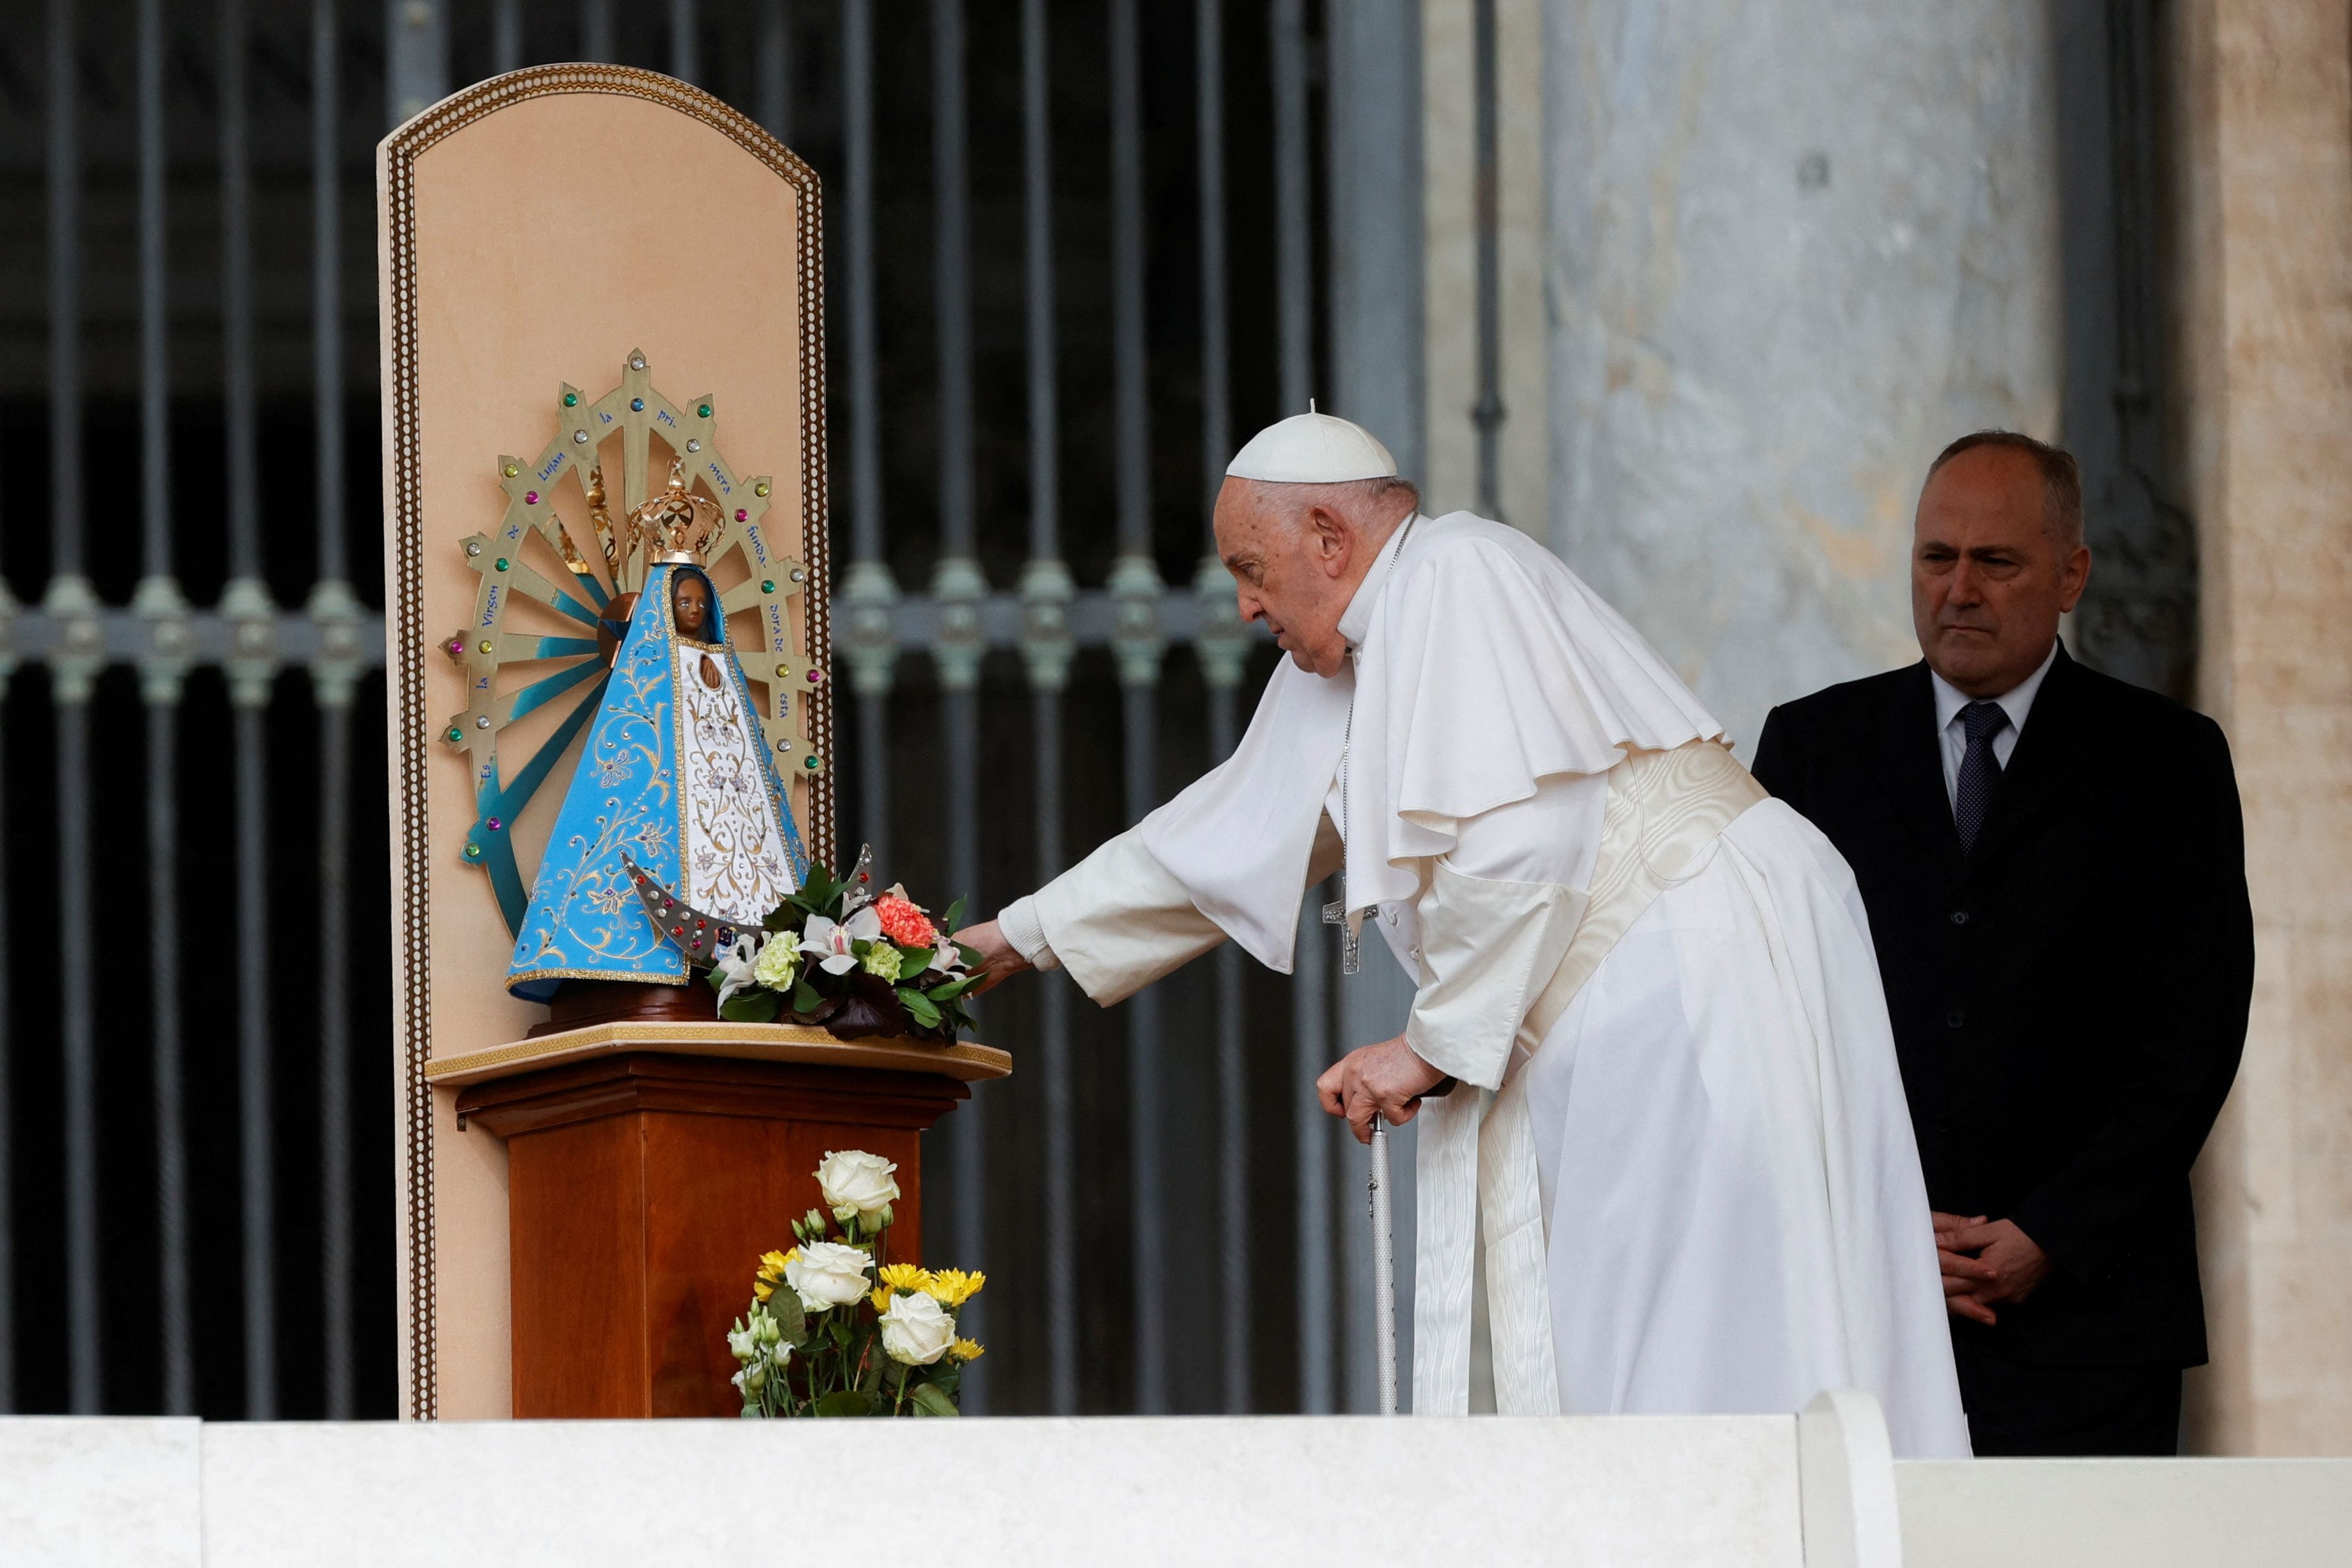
<point x="1486" y="666"/>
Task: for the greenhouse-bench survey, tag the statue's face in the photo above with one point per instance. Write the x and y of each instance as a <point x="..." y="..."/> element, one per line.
<point x="689" y="604"/>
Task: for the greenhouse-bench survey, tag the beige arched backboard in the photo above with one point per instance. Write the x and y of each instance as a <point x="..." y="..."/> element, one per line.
<point x="539" y="235"/>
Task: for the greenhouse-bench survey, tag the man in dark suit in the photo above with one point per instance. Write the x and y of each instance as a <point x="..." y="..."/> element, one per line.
<point x="2054" y="865"/>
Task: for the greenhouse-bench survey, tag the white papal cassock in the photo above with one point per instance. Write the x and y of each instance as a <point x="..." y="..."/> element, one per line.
<point x="1681" y="1132"/>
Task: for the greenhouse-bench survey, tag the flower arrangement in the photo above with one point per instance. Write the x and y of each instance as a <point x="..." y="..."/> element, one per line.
<point x="834" y="1330"/>
<point x="836" y="957"/>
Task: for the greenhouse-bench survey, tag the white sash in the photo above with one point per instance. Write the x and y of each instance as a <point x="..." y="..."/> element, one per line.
<point x="1477" y="1153"/>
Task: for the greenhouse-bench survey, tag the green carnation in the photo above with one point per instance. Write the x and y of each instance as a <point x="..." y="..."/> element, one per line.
<point x="778" y="962"/>
<point x="883" y="959"/>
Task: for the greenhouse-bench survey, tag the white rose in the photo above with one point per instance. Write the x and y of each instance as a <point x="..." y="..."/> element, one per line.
<point x="859" y="1185"/>
<point x="916" y="1329"/>
<point x="827" y="1274"/>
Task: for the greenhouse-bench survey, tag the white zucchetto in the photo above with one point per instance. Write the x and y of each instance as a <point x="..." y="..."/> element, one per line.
<point x="1312" y="449"/>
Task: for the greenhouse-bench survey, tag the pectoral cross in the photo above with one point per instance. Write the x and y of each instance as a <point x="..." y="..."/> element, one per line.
<point x="1351" y="957"/>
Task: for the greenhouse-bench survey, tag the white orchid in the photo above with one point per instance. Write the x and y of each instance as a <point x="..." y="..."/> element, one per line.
<point x="734" y="962"/>
<point x="827" y="940"/>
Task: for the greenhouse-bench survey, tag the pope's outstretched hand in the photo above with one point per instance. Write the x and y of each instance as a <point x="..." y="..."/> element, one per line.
<point x="1387" y="1080"/>
<point x="998" y="960"/>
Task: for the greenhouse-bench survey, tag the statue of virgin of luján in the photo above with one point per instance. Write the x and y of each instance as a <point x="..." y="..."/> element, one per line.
<point x="674" y="776"/>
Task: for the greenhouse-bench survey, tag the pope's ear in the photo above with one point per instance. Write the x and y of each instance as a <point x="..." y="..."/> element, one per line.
<point x="1327" y="532"/>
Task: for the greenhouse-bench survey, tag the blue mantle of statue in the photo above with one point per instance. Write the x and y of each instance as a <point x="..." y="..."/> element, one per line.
<point x="665" y="778"/>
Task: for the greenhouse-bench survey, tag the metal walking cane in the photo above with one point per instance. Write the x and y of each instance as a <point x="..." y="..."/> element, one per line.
<point x="1384" y="1330"/>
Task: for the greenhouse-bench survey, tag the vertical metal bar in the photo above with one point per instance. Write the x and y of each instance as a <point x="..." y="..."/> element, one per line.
<point x="1045" y="594"/>
<point x="1149" y="1227"/>
<point x="7" y="1148"/>
<point x="775" y="69"/>
<point x="1488" y="413"/>
<point x="505" y="36"/>
<point x="71" y="685"/>
<point x="957" y="584"/>
<point x="1037" y="253"/>
<point x="1293" y="254"/>
<point x="416" y="56"/>
<point x="1310" y="1032"/>
<point x="857" y="260"/>
<point x="256" y="1197"/>
<point x="177" y="1350"/>
<point x="334" y="1048"/>
<point x="84" y="1324"/>
<point x="1222" y="665"/>
<point x="326" y="285"/>
<point x="332" y="599"/>
<point x="65" y="296"/>
<point x="1216" y="375"/>
<point x="597" y="40"/>
<point x="1061" y="1128"/>
<point x="1135" y="587"/>
<point x="159" y="600"/>
<point x="685" y="56"/>
<point x="868" y="589"/>
<point x="951" y="275"/>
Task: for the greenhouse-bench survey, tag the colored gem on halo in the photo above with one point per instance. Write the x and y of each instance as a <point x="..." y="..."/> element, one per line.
<point x="678" y="930"/>
<point x="759" y="489"/>
<point x="531" y="498"/>
<point x="808" y="761"/>
<point x="571" y="400"/>
<point x="513" y="470"/>
<point x="784" y="671"/>
<point x="702" y="411"/>
<point x="457" y="734"/>
<point x="741" y="515"/>
<point x="769" y="586"/>
<point x="502" y="563"/>
<point x="815" y="675"/>
<point x="494" y="825"/>
<point x="636" y="405"/>
<point x="486" y="645"/>
<point x="473" y="852"/>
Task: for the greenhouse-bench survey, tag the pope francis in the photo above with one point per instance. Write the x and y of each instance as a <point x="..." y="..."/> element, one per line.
<point x="1658" y="1088"/>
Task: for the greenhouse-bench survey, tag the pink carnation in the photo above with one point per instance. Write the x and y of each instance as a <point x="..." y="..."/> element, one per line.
<point x="905" y="923"/>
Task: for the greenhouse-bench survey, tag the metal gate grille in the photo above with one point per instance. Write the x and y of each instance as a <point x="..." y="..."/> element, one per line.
<point x="1071" y="254"/>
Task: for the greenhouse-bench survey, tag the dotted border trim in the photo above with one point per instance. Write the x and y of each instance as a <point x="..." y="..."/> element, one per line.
<point x="405" y="655"/>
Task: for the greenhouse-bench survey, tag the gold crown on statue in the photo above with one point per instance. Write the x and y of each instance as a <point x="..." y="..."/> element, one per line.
<point x="682" y="525"/>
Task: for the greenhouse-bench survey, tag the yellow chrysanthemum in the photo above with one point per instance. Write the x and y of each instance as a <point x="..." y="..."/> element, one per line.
<point x="905" y="1277"/>
<point x="967" y="1350"/>
<point x="881" y="1296"/>
<point x="772" y="1272"/>
<point x="953" y="1287"/>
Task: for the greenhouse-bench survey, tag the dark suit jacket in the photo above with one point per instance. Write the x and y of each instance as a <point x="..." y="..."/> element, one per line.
<point x="2069" y="1001"/>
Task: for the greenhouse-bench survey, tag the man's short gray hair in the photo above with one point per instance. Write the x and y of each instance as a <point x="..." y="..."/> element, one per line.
<point x="2062" y="478"/>
<point x="1361" y="498"/>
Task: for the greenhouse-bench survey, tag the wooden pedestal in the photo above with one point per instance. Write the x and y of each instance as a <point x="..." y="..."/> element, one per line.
<point x="643" y="1185"/>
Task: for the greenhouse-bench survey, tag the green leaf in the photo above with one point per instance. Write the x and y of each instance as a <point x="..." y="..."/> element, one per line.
<point x="805" y="998"/>
<point x="785" y="1306"/>
<point x="927" y="1398"/>
<point x="954" y="917"/>
<point x="717" y="981"/>
<point x="918" y="1008"/>
<point x="755" y="1004"/>
<point x="913" y="961"/>
<point x="953" y="988"/>
<point x="847" y="1402"/>
<point x="970" y="955"/>
<point x="841" y="1334"/>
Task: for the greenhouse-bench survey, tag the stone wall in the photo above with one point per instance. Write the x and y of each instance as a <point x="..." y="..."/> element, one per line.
<point x="1795" y="249"/>
<point x="2264" y="330"/>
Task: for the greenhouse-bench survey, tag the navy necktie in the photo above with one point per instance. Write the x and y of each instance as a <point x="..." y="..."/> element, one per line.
<point x="1979" y="770"/>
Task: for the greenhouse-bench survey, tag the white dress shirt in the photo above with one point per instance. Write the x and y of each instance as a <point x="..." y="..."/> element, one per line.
<point x="2017" y="702"/>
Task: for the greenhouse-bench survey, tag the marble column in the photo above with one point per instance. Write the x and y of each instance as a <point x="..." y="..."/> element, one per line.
<point x="1794" y="250"/>
<point x="2262" y="203"/>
